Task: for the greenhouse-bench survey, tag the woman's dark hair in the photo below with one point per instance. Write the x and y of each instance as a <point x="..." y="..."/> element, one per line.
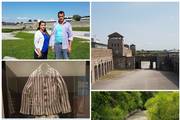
<point x="44" y="29"/>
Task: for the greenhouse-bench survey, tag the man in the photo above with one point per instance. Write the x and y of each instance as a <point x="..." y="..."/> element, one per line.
<point x="61" y="37"/>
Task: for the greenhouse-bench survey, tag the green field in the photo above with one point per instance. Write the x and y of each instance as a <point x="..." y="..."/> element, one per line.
<point x="81" y="29"/>
<point x="7" y="30"/>
<point x="23" y="48"/>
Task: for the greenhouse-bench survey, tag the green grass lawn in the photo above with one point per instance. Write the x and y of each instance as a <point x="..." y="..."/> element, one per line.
<point x="23" y="48"/>
<point x="81" y="29"/>
<point x="7" y="30"/>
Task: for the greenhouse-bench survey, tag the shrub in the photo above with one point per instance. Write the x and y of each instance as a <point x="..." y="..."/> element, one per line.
<point x="163" y="106"/>
<point x="110" y="113"/>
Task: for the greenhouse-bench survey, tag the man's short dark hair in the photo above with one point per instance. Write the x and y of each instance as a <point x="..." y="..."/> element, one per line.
<point x="61" y="12"/>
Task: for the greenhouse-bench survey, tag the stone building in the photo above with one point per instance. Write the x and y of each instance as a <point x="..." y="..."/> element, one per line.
<point x="115" y="55"/>
<point x="123" y="55"/>
<point x="96" y="44"/>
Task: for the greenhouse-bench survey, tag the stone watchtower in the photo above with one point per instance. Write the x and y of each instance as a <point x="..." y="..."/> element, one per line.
<point x="133" y="49"/>
<point x="115" y="42"/>
<point x="122" y="57"/>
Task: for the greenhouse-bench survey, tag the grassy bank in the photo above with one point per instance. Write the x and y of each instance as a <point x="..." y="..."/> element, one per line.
<point x="23" y="48"/>
<point x="81" y="29"/>
<point x="7" y="30"/>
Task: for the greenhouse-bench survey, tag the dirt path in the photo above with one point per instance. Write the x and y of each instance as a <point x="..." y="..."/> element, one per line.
<point x="141" y="115"/>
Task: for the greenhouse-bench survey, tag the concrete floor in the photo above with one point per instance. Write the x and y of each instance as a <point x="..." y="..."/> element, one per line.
<point x="143" y="79"/>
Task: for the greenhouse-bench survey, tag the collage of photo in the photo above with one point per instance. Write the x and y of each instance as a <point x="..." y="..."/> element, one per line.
<point x="90" y="60"/>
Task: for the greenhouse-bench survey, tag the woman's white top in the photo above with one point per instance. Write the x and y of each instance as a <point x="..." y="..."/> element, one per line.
<point x="38" y="40"/>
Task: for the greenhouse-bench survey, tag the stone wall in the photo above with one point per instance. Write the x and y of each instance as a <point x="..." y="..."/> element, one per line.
<point x="119" y="62"/>
<point x="168" y="63"/>
<point x="124" y="62"/>
<point x="101" y="63"/>
<point x="101" y="52"/>
<point x="130" y="62"/>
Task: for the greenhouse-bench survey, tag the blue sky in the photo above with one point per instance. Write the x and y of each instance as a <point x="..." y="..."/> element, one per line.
<point x="23" y="11"/>
<point x="151" y="26"/>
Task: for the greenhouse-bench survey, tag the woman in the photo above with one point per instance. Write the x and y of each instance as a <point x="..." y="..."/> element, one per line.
<point x="41" y="41"/>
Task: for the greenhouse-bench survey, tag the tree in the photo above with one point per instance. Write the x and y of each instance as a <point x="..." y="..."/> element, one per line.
<point x="29" y="20"/>
<point x="114" y="105"/>
<point x="35" y="20"/>
<point x="163" y="106"/>
<point x="77" y="17"/>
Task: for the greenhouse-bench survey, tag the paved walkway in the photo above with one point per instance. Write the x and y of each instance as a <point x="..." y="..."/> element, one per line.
<point x="141" y="115"/>
<point x="9" y="36"/>
<point x="139" y="80"/>
<point x="82" y="34"/>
